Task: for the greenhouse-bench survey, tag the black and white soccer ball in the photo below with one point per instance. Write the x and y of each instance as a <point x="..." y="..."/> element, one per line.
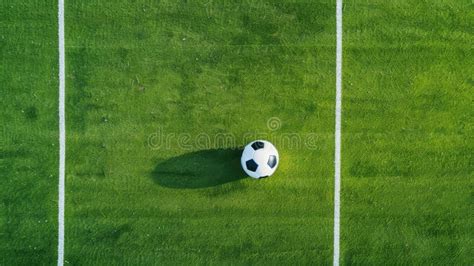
<point x="260" y="159"/>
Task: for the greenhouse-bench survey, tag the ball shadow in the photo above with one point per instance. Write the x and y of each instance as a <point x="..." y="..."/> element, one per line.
<point x="206" y="168"/>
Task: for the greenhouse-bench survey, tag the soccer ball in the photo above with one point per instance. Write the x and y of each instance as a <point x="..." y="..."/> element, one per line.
<point x="259" y="159"/>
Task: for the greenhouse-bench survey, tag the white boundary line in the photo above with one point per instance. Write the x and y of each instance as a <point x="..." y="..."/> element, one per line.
<point x="62" y="133"/>
<point x="337" y="152"/>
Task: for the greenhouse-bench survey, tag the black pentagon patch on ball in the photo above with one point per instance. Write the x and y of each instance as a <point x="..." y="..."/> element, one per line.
<point x="258" y="145"/>
<point x="272" y="161"/>
<point x="251" y="165"/>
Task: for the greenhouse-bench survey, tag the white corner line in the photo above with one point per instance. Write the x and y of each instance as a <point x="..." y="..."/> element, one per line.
<point x="337" y="151"/>
<point x="62" y="133"/>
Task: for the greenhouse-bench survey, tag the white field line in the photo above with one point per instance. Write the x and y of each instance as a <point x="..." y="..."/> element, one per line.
<point x="62" y="133"/>
<point x="337" y="152"/>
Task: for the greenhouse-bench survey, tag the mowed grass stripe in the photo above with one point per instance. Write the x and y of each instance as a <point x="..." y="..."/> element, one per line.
<point x="408" y="155"/>
<point x="191" y="68"/>
<point x="29" y="132"/>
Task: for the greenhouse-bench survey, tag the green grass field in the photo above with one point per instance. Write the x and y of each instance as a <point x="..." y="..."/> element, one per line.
<point x="162" y="95"/>
<point x="408" y="124"/>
